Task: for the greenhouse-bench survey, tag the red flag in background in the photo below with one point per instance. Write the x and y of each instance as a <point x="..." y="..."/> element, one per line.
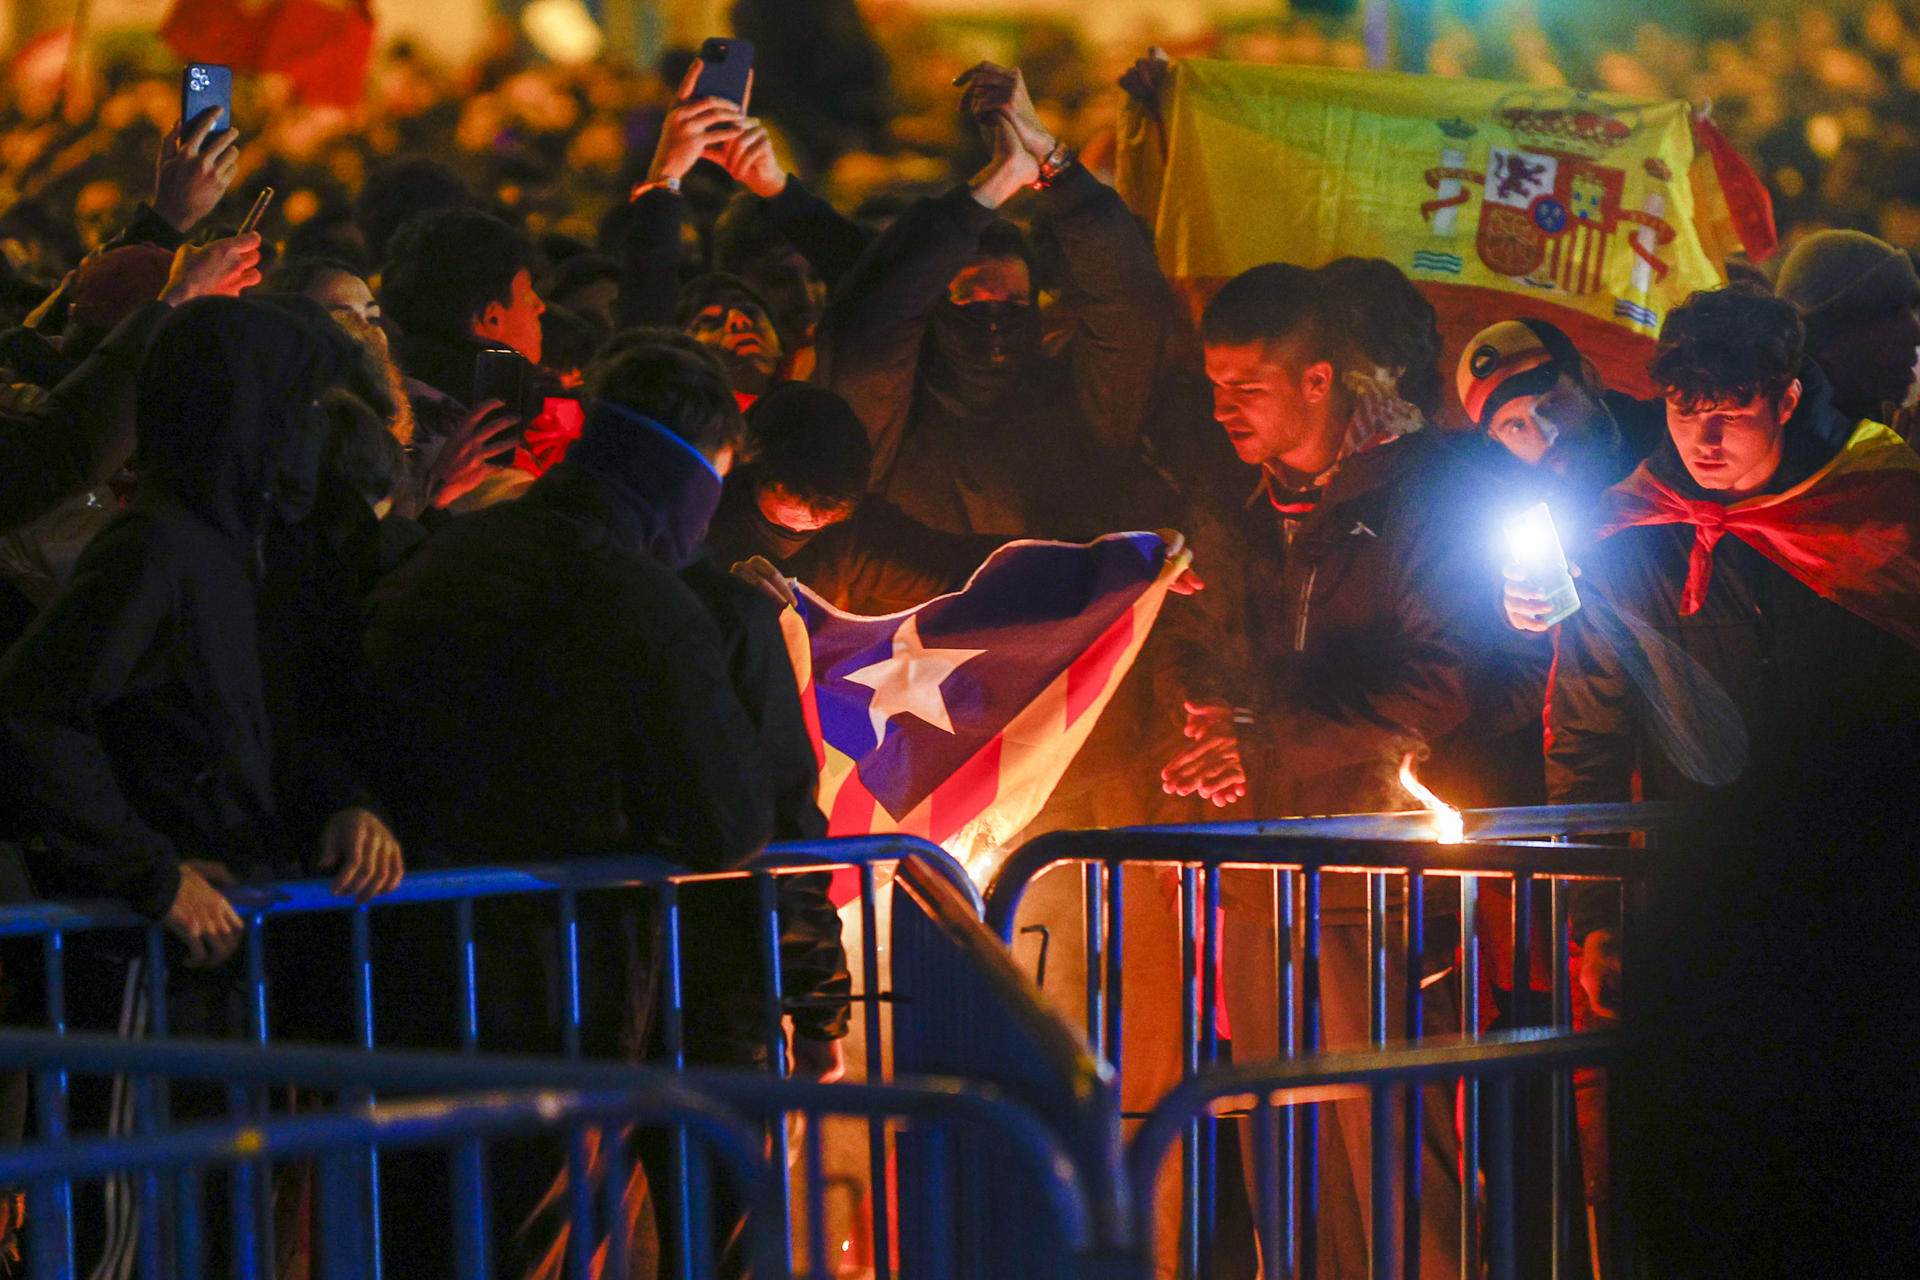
<point x="322" y="46"/>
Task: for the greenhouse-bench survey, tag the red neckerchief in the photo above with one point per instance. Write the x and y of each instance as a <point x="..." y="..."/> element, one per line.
<point x="1850" y="531"/>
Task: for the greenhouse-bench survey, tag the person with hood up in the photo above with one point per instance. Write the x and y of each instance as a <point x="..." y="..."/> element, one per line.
<point x="134" y="711"/>
<point x="979" y="425"/>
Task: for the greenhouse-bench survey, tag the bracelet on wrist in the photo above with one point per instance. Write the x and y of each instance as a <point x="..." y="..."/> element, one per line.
<point x="653" y="184"/>
<point x="1058" y="161"/>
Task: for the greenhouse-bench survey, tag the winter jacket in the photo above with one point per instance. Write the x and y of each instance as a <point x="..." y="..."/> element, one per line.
<point x="975" y="427"/>
<point x="813" y="963"/>
<point x="133" y="712"/>
<point x="552" y="690"/>
<point x="1375" y="631"/>
<point x="879" y="560"/>
<point x="1793" y="670"/>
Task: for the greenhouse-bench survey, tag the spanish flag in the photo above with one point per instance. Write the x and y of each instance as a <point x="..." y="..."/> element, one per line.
<point x="1850" y="531"/>
<point x="1597" y="212"/>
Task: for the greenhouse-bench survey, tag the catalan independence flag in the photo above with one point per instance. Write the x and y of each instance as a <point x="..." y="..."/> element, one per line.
<point x="1595" y="211"/>
<point x="1850" y="531"/>
<point x="954" y="720"/>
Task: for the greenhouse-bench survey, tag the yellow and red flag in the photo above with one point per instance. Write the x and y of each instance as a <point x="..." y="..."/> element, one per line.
<point x="1499" y="201"/>
<point x="1850" y="531"/>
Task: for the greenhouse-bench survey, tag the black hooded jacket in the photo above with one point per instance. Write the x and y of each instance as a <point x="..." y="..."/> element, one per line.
<point x="551" y="688"/>
<point x="133" y="712"/>
<point x="976" y="427"/>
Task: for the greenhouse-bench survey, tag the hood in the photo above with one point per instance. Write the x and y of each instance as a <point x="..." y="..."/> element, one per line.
<point x="225" y="417"/>
<point x="660" y="491"/>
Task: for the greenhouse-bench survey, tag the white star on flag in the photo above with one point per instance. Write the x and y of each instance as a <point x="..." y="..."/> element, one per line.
<point x="909" y="682"/>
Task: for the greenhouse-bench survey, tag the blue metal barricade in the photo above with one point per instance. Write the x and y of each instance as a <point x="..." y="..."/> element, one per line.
<point x="1267" y="1094"/>
<point x="928" y="972"/>
<point x="460" y="1100"/>
<point x="1392" y="852"/>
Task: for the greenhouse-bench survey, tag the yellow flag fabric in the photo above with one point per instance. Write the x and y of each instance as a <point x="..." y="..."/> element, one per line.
<point x="1499" y="200"/>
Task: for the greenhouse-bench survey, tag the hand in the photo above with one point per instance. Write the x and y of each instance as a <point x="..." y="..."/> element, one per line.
<point x="988" y="91"/>
<point x="1011" y="168"/>
<point x="695" y="128"/>
<point x="1147" y="79"/>
<point x="202" y="917"/>
<point x="1188" y="583"/>
<point x="1212" y="768"/>
<point x="461" y="464"/>
<point x="194" y="170"/>
<point x="763" y="575"/>
<point x="821" y="1060"/>
<point x="218" y="269"/>
<point x="1600" y="973"/>
<point x="368" y="855"/>
<point x="750" y="161"/>
<point x="1526" y="607"/>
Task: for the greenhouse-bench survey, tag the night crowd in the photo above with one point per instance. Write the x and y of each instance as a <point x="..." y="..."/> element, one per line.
<point x="449" y="523"/>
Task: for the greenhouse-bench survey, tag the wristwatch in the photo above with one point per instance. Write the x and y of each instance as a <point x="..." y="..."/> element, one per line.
<point x="1058" y="161"/>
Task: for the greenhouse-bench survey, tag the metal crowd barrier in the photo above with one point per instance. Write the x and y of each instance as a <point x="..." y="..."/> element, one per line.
<point x="1522" y="846"/>
<point x="461" y="1103"/>
<point x="946" y="1001"/>
<point x="1268" y="1093"/>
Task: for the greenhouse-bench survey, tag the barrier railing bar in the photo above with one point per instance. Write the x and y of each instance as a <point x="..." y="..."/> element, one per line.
<point x="932" y="1098"/>
<point x="1190" y="1208"/>
<point x="1562" y="1109"/>
<point x="1414" y="938"/>
<point x="1382" y="1166"/>
<point x="881" y="1197"/>
<point x="1468" y="1092"/>
<point x="1115" y="1040"/>
<point x="1312" y="1040"/>
<point x="1095" y="911"/>
<point x="1210" y="1057"/>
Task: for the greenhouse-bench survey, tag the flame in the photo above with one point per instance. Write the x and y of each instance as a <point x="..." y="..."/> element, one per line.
<point x="1448" y="826"/>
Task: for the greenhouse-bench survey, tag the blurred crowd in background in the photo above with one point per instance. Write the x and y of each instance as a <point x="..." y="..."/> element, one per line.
<point x="1824" y="102"/>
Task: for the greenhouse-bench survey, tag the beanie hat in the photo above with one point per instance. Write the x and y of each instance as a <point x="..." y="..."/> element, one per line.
<point x="111" y="287"/>
<point x="1832" y="275"/>
<point x="1511" y="359"/>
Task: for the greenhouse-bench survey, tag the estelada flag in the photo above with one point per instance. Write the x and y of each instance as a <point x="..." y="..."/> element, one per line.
<point x="1850" y="531"/>
<point x="954" y="720"/>
<point x="1500" y="201"/>
<point x="322" y="46"/>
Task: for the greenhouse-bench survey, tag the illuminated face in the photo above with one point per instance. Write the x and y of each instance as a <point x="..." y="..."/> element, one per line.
<point x="1519" y="432"/>
<point x="781" y="506"/>
<point x="1271" y="411"/>
<point x="517" y="324"/>
<point x="1732" y="448"/>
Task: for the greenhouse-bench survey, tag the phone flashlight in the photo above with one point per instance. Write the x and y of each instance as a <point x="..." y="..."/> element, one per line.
<point x="1533" y="544"/>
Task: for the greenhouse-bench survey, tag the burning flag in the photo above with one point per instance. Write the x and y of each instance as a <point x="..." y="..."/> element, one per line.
<point x="955" y="720"/>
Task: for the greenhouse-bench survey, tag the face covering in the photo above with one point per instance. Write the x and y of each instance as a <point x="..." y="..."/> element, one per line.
<point x="662" y="492"/>
<point x="978" y="349"/>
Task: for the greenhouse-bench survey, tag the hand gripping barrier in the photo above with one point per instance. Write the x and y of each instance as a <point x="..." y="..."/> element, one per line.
<point x="1397" y="851"/>
<point x="937" y="996"/>
<point x="460" y="1101"/>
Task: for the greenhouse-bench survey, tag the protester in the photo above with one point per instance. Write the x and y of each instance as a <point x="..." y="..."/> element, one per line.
<point x="935" y="340"/>
<point x="800" y="509"/>
<point x="1730" y="546"/>
<point x="1860" y="299"/>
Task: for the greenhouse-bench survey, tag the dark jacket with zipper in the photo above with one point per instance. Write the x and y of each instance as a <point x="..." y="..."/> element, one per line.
<point x="1374" y="631"/>
<point x="1796" y="670"/>
<point x="133" y="712"/>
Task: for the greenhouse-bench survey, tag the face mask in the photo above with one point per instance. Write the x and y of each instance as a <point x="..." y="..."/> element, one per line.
<point x="978" y="348"/>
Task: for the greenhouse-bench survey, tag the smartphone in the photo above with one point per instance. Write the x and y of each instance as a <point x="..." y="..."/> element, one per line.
<point x="503" y="374"/>
<point x="1534" y="545"/>
<point x="203" y="85"/>
<point x="252" y="221"/>
<point x="724" y="68"/>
